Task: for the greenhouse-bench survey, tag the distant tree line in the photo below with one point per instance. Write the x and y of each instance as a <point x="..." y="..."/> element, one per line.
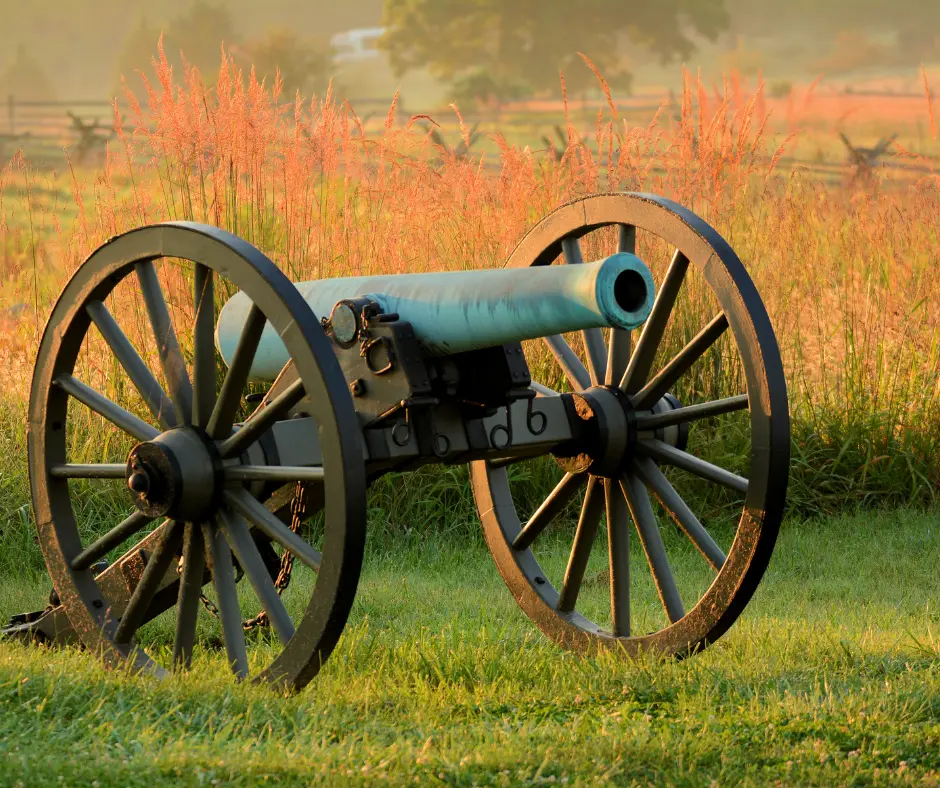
<point x="74" y="44"/>
<point x="492" y="50"/>
<point x="204" y="28"/>
<point x="488" y="51"/>
<point x="916" y="23"/>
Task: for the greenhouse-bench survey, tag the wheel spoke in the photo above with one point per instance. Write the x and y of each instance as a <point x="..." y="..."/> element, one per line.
<point x="581" y="548"/>
<point x="171" y="357"/>
<point x="275" y="473"/>
<point x="102" y="546"/>
<point x="570" y="364"/>
<point x="551" y="507"/>
<point x="88" y="471"/>
<point x="187" y="604"/>
<point x="683" y="516"/>
<point x="618" y="355"/>
<point x="203" y="346"/>
<point x="236" y="531"/>
<point x="542" y="391"/>
<point x="641" y="362"/>
<point x="223" y="578"/>
<point x="262" y="420"/>
<point x="151" y="578"/>
<point x="653" y="391"/>
<point x="223" y="414"/>
<point x="618" y="545"/>
<point x="252" y="510"/>
<point x="593" y="339"/>
<point x="703" y="410"/>
<point x="143" y="379"/>
<point x="571" y="249"/>
<point x="101" y="405"/>
<point x="642" y="512"/>
<point x="670" y="455"/>
<point x="626" y="238"/>
<point x="596" y="353"/>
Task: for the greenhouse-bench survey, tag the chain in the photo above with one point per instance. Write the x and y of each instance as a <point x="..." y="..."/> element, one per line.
<point x="298" y="509"/>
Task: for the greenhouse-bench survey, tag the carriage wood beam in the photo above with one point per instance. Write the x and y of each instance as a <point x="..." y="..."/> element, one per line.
<point x="534" y="432"/>
<point x="117" y="583"/>
<point x="52" y="626"/>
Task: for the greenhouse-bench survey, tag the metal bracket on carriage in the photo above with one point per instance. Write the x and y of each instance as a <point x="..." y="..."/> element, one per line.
<point x="117" y="581"/>
<point x="51" y="626"/>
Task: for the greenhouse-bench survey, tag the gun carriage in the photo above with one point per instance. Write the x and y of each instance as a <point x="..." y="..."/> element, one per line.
<point x="372" y="375"/>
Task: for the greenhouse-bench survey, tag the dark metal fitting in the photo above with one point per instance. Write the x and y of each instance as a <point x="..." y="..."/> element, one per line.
<point x="501" y="437"/>
<point x="358" y="387"/>
<point x="401" y="433"/>
<point x="349" y="318"/>
<point x="420" y="402"/>
<point x="535" y="420"/>
<point x="521" y="393"/>
<point x="441" y="445"/>
<point x="370" y="309"/>
<point x="139" y="482"/>
<point x="368" y="352"/>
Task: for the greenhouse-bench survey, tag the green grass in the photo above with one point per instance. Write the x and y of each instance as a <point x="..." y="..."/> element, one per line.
<point x="832" y="677"/>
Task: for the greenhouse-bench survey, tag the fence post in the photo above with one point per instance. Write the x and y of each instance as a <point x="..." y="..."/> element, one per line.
<point x="11" y="103"/>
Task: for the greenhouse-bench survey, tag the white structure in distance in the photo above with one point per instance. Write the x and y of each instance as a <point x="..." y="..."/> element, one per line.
<point x="356" y="45"/>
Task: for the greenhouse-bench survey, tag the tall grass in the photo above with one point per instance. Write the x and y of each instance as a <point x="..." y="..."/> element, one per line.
<point x="848" y="275"/>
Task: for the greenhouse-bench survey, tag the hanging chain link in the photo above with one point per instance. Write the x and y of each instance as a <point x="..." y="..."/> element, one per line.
<point x="298" y="509"/>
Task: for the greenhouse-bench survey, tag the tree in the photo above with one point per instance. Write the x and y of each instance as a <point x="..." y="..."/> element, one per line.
<point x="304" y="65"/>
<point x="919" y="32"/>
<point x="198" y="35"/>
<point x="478" y="87"/>
<point x="916" y="23"/>
<point x="135" y="55"/>
<point x="24" y="78"/>
<point x="530" y="41"/>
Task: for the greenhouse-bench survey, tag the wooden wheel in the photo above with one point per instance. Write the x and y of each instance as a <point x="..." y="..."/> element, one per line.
<point x="192" y="473"/>
<point x="671" y="419"/>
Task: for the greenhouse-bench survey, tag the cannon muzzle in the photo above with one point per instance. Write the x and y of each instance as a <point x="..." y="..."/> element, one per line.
<point x="453" y="312"/>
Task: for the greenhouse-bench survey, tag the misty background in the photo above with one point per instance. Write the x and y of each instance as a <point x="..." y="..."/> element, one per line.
<point x="477" y="51"/>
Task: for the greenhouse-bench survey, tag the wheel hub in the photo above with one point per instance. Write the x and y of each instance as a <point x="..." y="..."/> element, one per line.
<point x="607" y="437"/>
<point x="177" y="475"/>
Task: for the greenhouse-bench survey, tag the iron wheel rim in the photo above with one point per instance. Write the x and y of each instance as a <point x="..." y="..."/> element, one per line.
<point x="249" y="270"/>
<point x="762" y="511"/>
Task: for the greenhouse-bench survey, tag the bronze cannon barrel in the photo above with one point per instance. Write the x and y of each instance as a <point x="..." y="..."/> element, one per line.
<point x="453" y="312"/>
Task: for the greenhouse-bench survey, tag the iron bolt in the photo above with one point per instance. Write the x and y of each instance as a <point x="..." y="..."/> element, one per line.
<point x="358" y="387"/>
<point x="139" y="482"/>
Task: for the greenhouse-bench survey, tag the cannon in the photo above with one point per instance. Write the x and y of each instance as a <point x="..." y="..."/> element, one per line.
<point x="252" y="440"/>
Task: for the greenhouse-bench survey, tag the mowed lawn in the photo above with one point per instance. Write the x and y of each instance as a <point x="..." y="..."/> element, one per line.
<point x="831" y="677"/>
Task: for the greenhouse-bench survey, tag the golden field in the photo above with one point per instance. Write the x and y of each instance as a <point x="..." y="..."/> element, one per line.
<point x="847" y="269"/>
